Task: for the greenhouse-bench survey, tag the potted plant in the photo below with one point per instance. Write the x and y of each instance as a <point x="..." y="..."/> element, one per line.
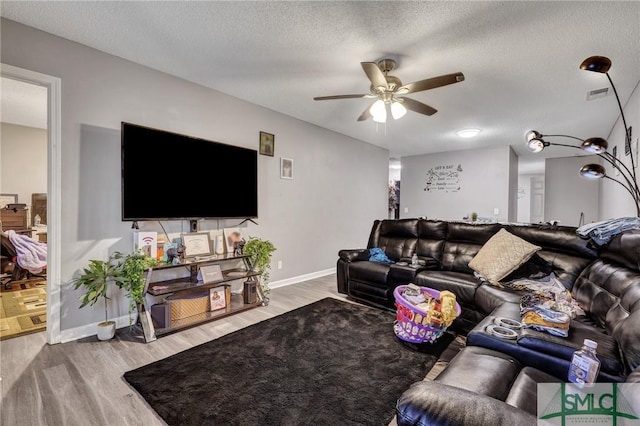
<point x="474" y="216"/>
<point x="259" y="252"/>
<point x="95" y="280"/>
<point x="130" y="276"/>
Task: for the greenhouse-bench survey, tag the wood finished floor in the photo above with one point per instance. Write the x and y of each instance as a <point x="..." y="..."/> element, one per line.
<point x="80" y="383"/>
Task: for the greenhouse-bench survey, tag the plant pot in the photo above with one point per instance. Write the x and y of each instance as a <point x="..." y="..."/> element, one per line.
<point x="106" y="330"/>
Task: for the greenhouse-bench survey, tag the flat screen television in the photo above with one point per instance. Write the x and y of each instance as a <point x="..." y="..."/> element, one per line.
<point x="169" y="176"/>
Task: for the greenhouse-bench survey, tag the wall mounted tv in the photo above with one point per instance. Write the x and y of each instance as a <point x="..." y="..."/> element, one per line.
<point x="169" y="176"/>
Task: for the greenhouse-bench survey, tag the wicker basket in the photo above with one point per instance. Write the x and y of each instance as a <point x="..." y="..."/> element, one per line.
<point x="186" y="306"/>
<point x="411" y="322"/>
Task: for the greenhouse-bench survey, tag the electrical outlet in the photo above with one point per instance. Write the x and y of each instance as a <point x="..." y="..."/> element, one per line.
<point x="406" y="209"/>
<point x="496" y="211"/>
<point x="279" y="264"/>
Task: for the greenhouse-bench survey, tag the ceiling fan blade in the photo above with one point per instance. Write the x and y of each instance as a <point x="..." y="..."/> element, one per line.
<point x="324" y="98"/>
<point x="366" y="114"/>
<point x="416" y="106"/>
<point x="430" y="83"/>
<point x="375" y="74"/>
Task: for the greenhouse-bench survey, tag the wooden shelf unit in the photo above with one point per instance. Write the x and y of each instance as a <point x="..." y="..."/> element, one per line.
<point x="190" y="284"/>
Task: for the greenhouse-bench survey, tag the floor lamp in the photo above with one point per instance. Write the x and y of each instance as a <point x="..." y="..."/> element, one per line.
<point x="598" y="146"/>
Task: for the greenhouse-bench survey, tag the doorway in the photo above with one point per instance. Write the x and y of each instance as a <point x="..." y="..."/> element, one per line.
<point x="53" y="161"/>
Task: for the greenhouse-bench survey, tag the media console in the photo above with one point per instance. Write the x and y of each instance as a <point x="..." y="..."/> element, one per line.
<point x="179" y="303"/>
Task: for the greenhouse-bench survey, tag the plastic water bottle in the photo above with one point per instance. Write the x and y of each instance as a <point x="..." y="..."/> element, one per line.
<point x="414" y="260"/>
<point x="585" y="364"/>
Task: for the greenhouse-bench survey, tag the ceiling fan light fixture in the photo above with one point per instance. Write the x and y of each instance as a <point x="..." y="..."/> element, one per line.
<point x="379" y="111"/>
<point x="397" y="110"/>
<point x="468" y="133"/>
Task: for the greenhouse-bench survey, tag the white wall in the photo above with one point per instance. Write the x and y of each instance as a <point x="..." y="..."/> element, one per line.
<point x="483" y="184"/>
<point x="513" y="186"/>
<point x="23" y="156"/>
<point x="567" y="194"/>
<point x="329" y="205"/>
<point x="524" y="200"/>
<point x="614" y="200"/>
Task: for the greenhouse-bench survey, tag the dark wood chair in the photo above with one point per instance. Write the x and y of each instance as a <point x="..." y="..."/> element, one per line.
<point x="8" y="250"/>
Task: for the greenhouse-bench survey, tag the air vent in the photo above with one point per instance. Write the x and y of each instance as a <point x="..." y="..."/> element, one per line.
<point x="597" y="94"/>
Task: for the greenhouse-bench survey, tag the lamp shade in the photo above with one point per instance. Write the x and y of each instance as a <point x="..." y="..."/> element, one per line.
<point x="532" y="134"/>
<point x="397" y="110"/>
<point x="536" y="145"/>
<point x="592" y="171"/>
<point x="595" y="145"/>
<point x="379" y="111"/>
<point x="596" y="64"/>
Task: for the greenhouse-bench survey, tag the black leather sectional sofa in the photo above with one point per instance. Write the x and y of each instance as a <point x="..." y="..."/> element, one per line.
<point x="493" y="380"/>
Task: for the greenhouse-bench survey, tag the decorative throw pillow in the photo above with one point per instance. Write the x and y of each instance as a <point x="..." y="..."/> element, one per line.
<point x="501" y="255"/>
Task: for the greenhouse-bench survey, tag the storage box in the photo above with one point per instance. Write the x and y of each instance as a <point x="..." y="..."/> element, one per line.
<point x="183" y="306"/>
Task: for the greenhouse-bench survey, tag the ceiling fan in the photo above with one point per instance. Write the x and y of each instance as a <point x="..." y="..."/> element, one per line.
<point x="387" y="88"/>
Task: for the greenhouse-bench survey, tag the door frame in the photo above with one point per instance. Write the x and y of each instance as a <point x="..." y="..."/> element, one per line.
<point x="54" y="197"/>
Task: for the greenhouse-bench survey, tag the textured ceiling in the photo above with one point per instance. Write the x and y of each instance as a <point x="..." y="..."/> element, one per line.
<point x="520" y="59"/>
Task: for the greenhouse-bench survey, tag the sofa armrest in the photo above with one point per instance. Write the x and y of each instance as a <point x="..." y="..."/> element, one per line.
<point x="352" y="255"/>
<point x="433" y="403"/>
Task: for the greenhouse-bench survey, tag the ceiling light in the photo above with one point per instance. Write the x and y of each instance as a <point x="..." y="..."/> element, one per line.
<point x="468" y="133"/>
<point x="379" y="111"/>
<point x="397" y="110"/>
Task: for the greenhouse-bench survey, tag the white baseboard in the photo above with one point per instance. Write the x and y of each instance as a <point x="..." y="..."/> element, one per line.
<point x="91" y="329"/>
<point x="123" y="321"/>
<point x="301" y="278"/>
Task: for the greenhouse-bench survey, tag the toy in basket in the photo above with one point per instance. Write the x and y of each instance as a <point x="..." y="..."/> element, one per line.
<point x="423" y="314"/>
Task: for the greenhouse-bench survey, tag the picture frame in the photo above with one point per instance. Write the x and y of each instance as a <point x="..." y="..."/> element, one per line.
<point x="233" y="240"/>
<point x="614" y="152"/>
<point x="196" y="244"/>
<point x="210" y="273"/>
<point x="218" y="298"/>
<point x="286" y="168"/>
<point x="8" y="199"/>
<point x="267" y="144"/>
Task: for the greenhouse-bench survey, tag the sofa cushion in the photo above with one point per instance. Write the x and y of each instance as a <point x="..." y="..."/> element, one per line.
<point x="478" y="369"/>
<point x="524" y="392"/>
<point x="489" y="298"/>
<point x="369" y="272"/>
<point x="563" y="348"/>
<point x="398" y="238"/>
<point x="461" y="284"/>
<point x="463" y="242"/>
<point x="501" y="255"/>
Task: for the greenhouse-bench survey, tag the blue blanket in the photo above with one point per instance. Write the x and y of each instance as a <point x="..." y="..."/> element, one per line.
<point x="378" y="255"/>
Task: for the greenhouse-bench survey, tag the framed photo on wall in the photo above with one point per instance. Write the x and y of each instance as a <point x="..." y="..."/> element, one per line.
<point x="286" y="168"/>
<point x="8" y="199"/>
<point x="267" y="144"/>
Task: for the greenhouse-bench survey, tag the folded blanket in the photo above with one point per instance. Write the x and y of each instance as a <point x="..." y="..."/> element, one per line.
<point x="602" y="232"/>
<point x="31" y="254"/>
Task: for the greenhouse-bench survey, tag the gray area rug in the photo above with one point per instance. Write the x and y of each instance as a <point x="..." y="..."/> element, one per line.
<point x="327" y="363"/>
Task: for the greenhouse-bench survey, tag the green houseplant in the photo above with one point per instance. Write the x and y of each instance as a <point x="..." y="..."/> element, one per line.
<point x="130" y="276"/>
<point x="95" y="280"/>
<point x="259" y="252"/>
